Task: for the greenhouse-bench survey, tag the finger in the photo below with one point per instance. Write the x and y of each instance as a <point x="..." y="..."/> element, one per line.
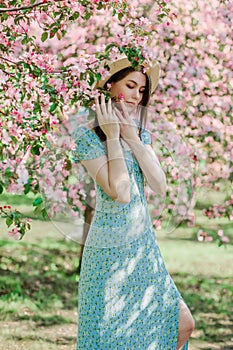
<point x="98" y="110"/>
<point x="103" y="105"/>
<point x="119" y="115"/>
<point x="109" y="107"/>
<point x="124" y="109"/>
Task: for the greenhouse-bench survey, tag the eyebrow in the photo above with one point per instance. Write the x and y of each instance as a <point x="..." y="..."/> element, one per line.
<point x="132" y="81"/>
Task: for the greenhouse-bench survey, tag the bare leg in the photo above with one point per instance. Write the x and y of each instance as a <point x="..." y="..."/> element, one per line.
<point x="186" y="325"/>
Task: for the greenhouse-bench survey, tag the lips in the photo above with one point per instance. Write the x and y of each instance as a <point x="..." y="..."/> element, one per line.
<point x="131" y="103"/>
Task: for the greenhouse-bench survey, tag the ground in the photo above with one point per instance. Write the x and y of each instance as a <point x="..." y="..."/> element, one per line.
<point x="39" y="281"/>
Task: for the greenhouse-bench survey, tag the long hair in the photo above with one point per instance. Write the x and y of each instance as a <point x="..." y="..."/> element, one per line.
<point x="144" y="101"/>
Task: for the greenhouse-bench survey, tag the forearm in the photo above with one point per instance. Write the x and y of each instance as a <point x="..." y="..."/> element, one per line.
<point x="119" y="181"/>
<point x="150" y="166"/>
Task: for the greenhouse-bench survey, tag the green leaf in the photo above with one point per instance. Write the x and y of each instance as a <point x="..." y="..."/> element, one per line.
<point x="53" y="32"/>
<point x="25" y="40"/>
<point x="36" y="71"/>
<point x="162" y="15"/>
<point x="44" y="79"/>
<point x="18" y="76"/>
<point x="36" y="150"/>
<point x="27" y="187"/>
<point x="44" y="213"/>
<point x="37" y="201"/>
<point x="48" y="88"/>
<point x="8" y="172"/>
<point x="15" y="215"/>
<point x="37" y="108"/>
<point x="1" y="188"/>
<point x="9" y="221"/>
<point x="120" y="16"/>
<point x="87" y="16"/>
<point x="44" y="36"/>
<point x="221" y="47"/>
<point x="108" y="47"/>
<point x="74" y="16"/>
<point x="22" y="229"/>
<point x="4" y="17"/>
<point x="98" y="76"/>
<point x="91" y="79"/>
<point x="22" y="96"/>
<point x="53" y="107"/>
<point x="68" y="164"/>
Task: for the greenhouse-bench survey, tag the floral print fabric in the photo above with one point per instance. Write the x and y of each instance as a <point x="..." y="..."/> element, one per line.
<point x="126" y="298"/>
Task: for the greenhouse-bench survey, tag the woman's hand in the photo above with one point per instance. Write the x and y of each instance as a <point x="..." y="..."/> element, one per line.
<point x="107" y="118"/>
<point x="128" y="127"/>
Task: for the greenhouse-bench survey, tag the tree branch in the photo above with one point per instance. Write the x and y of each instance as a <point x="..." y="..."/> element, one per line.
<point x="7" y="59"/>
<point x="7" y="73"/>
<point x="13" y="9"/>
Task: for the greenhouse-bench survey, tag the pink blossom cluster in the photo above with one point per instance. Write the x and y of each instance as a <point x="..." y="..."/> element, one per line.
<point x="218" y="210"/>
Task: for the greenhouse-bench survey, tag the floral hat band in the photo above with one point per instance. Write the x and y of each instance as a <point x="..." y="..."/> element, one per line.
<point x="152" y="71"/>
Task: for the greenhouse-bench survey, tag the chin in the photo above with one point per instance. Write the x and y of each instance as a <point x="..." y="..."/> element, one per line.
<point x="131" y="108"/>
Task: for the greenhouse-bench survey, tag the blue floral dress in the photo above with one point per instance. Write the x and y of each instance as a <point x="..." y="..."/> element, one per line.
<point x="126" y="297"/>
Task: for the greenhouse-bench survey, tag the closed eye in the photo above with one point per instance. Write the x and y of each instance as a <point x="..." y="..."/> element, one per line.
<point x="132" y="87"/>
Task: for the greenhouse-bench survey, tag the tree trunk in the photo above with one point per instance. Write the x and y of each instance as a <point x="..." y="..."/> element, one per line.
<point x="88" y="215"/>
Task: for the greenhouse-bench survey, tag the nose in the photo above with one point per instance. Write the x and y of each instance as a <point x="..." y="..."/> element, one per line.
<point x="137" y="94"/>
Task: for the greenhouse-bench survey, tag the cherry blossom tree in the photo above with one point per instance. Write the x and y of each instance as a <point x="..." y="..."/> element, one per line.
<point x="50" y="59"/>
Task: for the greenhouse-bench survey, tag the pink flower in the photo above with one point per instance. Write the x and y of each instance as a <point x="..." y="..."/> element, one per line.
<point x="157" y="224"/>
<point x="201" y="235"/>
<point x="225" y="239"/>
<point x="92" y="193"/>
<point x="14" y="233"/>
<point x="95" y="93"/>
<point x="121" y="96"/>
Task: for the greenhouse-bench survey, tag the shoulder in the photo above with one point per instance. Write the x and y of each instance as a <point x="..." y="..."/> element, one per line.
<point x="88" y="144"/>
<point x="82" y="132"/>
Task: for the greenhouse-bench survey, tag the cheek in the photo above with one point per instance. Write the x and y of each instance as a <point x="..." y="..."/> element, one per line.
<point x="119" y="93"/>
<point x="114" y="91"/>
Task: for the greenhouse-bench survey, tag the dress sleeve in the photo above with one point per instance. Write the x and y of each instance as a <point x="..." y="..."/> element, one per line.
<point x="88" y="145"/>
<point x="146" y="137"/>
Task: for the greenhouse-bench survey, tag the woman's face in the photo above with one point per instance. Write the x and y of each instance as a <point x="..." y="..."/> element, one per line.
<point x="129" y="89"/>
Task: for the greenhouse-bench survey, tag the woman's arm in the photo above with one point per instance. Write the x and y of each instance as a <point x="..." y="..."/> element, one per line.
<point x="110" y="172"/>
<point x="149" y="164"/>
<point x="144" y="154"/>
<point x="118" y="174"/>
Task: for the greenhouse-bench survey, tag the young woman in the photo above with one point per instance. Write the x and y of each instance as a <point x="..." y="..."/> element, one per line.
<point x="126" y="299"/>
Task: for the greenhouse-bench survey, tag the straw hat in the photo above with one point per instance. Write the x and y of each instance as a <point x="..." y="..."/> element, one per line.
<point x="151" y="71"/>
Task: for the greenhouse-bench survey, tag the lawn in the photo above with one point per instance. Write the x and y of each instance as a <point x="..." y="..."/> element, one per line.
<point x="39" y="283"/>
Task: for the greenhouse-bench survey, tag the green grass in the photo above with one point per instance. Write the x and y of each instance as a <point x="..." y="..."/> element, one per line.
<point x="42" y="275"/>
<point x="39" y="283"/>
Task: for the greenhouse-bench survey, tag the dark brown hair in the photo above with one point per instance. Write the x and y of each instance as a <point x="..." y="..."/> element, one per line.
<point x="145" y="99"/>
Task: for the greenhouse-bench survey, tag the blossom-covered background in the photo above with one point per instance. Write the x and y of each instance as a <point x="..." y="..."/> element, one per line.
<point x="51" y="54"/>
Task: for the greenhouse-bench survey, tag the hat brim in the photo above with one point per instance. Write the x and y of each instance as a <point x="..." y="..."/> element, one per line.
<point x="152" y="72"/>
